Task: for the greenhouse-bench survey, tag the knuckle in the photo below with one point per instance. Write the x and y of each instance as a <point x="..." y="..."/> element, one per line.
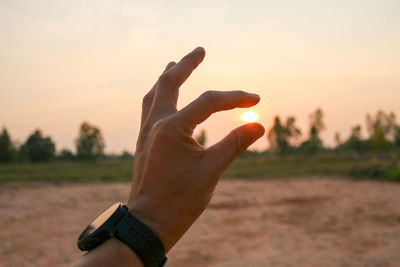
<point x="191" y="63"/>
<point x="166" y="79"/>
<point x="209" y="96"/>
<point x="146" y="126"/>
<point x="210" y="99"/>
<point x="242" y="93"/>
<point x="161" y="129"/>
<point x="240" y="144"/>
<point x="147" y="99"/>
<point x="170" y="64"/>
<point x="160" y="125"/>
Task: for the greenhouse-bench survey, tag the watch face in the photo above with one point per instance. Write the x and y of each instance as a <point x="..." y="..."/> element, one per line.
<point x="99" y="221"/>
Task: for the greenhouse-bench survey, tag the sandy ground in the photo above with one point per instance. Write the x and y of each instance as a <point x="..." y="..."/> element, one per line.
<point x="299" y="222"/>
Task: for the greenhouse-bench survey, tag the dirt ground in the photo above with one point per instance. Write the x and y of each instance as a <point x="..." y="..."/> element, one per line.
<point x="294" y="222"/>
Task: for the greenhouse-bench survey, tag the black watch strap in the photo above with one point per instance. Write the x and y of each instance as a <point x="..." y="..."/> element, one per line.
<point x="143" y="240"/>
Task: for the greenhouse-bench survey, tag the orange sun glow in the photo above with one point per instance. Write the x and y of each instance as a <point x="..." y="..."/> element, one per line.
<point x="249" y="116"/>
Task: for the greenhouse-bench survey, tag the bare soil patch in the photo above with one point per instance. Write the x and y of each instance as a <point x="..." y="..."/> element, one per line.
<point x="291" y="222"/>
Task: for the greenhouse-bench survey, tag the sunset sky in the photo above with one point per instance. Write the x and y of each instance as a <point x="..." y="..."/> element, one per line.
<point x="63" y="62"/>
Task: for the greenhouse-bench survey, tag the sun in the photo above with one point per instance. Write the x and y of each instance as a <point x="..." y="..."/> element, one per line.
<point x="249" y="116"/>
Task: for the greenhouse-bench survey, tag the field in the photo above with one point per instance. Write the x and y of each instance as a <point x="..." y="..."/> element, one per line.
<point x="267" y="211"/>
<point x="291" y="222"/>
<point x="250" y="165"/>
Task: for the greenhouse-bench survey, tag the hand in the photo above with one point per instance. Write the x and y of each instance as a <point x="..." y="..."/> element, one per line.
<point x="174" y="176"/>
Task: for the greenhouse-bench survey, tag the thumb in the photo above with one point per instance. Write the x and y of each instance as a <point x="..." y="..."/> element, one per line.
<point x="236" y="142"/>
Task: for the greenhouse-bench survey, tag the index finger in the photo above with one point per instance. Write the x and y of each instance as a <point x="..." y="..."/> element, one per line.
<point x="166" y="95"/>
<point x="182" y="70"/>
<point x="214" y="101"/>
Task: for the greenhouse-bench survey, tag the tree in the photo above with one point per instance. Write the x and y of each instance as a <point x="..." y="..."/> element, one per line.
<point x="7" y="150"/>
<point x="202" y="138"/>
<point x="277" y="136"/>
<point x="66" y="155"/>
<point x="382" y="129"/>
<point x="126" y="155"/>
<point x="314" y="142"/>
<point x="397" y="138"/>
<point x="90" y="142"/>
<point x="382" y="122"/>
<point x="316" y="124"/>
<point x="379" y="141"/>
<point x="38" y="148"/>
<point x="356" y="132"/>
<point x="355" y="142"/>
<point x="338" y="140"/>
<point x="293" y="131"/>
<point x="281" y="136"/>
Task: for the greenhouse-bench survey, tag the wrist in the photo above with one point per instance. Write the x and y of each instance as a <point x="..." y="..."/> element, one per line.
<point x="124" y="251"/>
<point x="169" y="223"/>
<point x="157" y="226"/>
<point x="117" y="222"/>
<point x="113" y="252"/>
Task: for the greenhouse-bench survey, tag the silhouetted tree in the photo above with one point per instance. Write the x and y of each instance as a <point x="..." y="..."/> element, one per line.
<point x="379" y="141"/>
<point x="316" y="124"/>
<point x="202" y="138"/>
<point x="66" y="155"/>
<point x="355" y="142"/>
<point x="387" y="122"/>
<point x="281" y="136"/>
<point x="38" y="148"/>
<point x="277" y="136"/>
<point x="382" y="129"/>
<point x="397" y="138"/>
<point x="126" y="155"/>
<point x="338" y="140"/>
<point x="314" y="142"/>
<point x="7" y="150"/>
<point x="356" y="132"/>
<point x="90" y="142"/>
<point x="293" y="131"/>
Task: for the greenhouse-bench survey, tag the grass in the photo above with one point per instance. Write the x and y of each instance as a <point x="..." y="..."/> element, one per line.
<point x="67" y="171"/>
<point x="287" y="166"/>
<point x="248" y="166"/>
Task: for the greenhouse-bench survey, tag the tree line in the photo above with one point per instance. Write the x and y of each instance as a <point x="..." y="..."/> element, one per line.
<point x="383" y="135"/>
<point x="284" y="137"/>
<point x="40" y="148"/>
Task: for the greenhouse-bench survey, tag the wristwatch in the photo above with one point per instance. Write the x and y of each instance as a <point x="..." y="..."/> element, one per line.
<point x="117" y="222"/>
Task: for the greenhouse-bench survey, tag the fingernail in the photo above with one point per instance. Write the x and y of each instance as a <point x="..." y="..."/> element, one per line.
<point x="197" y="49"/>
<point x="257" y="132"/>
<point x="255" y="95"/>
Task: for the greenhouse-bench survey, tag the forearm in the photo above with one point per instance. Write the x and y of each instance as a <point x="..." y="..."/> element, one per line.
<point x="111" y="253"/>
